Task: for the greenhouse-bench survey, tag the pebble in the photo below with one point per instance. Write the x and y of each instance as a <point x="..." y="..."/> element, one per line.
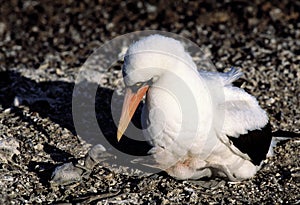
<point x="66" y="174"/>
<point x="8" y="148"/>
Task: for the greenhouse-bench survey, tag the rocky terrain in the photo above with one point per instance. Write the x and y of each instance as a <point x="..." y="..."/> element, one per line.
<point x="44" y="44"/>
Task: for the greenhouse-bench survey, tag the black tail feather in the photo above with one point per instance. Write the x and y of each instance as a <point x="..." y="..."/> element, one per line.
<point x="255" y="143"/>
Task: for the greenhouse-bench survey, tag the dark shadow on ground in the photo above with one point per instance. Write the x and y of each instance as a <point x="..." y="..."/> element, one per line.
<point x="43" y="170"/>
<point x="53" y="100"/>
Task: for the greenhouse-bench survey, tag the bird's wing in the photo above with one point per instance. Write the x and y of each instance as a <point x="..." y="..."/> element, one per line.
<point x="241" y="112"/>
<point x="245" y="124"/>
<point x="239" y="118"/>
<point x="237" y="112"/>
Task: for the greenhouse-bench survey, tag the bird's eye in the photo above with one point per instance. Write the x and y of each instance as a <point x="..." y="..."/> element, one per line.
<point x="138" y="84"/>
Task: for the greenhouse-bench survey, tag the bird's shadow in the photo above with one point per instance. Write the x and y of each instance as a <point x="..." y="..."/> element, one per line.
<point x="53" y="100"/>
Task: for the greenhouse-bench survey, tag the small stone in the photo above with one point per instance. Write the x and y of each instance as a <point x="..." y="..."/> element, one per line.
<point x="95" y="155"/>
<point x="17" y="101"/>
<point x="66" y="174"/>
<point x="2" y="28"/>
<point x="270" y="101"/>
<point x="38" y="147"/>
<point x="8" y="148"/>
<point x="59" y="71"/>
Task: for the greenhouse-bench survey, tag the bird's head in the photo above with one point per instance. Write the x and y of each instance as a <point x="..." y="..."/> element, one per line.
<point x="144" y="63"/>
<point x="149" y="57"/>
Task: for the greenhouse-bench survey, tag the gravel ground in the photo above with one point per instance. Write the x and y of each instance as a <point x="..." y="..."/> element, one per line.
<point x="43" y="44"/>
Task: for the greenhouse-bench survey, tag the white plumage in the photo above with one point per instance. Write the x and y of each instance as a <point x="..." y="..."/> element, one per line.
<point x="189" y="115"/>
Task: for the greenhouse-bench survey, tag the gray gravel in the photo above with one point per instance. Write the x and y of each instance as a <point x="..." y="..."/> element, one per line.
<point x="43" y="44"/>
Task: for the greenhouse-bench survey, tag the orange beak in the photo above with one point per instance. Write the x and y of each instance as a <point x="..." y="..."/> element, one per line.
<point x="131" y="101"/>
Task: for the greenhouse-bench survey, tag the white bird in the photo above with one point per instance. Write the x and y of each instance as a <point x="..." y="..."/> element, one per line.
<point x="198" y="123"/>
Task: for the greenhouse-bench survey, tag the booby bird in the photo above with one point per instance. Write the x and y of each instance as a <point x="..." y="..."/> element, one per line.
<point x="198" y="123"/>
